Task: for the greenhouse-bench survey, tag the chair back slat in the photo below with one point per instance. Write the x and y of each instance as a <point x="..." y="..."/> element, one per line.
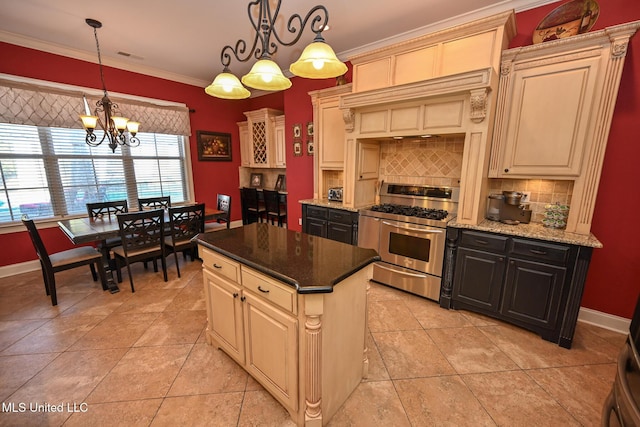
<point x="102" y="210"/>
<point x="224" y="204"/>
<point x="34" y="234"/>
<point x="141" y="230"/>
<point x="152" y="203"/>
<point x="250" y="197"/>
<point x="186" y="222"/>
<point x="271" y="201"/>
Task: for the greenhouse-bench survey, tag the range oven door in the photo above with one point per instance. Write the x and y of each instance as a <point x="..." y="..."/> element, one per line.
<point x="413" y="246"/>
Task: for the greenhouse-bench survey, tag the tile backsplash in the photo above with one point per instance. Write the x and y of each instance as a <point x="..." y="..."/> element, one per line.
<point x="543" y="192"/>
<point x="433" y="161"/>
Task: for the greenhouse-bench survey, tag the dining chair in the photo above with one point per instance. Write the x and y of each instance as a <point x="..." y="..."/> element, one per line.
<point x="274" y="210"/>
<point x="185" y="222"/>
<point x="252" y="205"/>
<point x="64" y="260"/>
<point x="100" y="211"/>
<point x="152" y="203"/>
<point x="223" y="220"/>
<point x="143" y="239"/>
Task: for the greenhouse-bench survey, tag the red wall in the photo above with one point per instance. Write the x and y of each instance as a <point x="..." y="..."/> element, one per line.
<point x="613" y="281"/>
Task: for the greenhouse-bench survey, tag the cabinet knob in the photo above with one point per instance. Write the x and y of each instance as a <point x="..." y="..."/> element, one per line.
<point x="501" y="259"/>
<point x="235" y="295"/>
<point x="512" y="262"/>
<point x="506" y="170"/>
<point x="243" y="298"/>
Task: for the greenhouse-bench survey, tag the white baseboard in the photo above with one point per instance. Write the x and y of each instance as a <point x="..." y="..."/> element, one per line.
<point x="22" y="267"/>
<point x="604" y="320"/>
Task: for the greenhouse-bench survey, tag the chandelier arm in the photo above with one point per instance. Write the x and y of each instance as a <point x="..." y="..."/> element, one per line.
<point x="297" y="24"/>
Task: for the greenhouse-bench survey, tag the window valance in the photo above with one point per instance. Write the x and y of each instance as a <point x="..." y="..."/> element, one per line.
<point x="40" y="105"/>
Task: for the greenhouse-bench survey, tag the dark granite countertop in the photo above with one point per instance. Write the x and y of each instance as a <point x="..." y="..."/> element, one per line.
<point x="309" y="263"/>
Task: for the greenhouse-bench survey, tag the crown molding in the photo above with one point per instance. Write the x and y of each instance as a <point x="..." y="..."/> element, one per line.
<point x="48" y="47"/>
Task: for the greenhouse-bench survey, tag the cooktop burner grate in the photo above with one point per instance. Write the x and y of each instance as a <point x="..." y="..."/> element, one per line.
<point x="415" y="211"/>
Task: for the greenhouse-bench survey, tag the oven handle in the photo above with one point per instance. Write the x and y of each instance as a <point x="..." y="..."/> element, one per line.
<point x="420" y="230"/>
<point x="393" y="270"/>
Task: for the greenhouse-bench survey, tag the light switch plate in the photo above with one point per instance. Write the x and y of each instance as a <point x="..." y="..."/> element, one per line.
<point x="526" y="197"/>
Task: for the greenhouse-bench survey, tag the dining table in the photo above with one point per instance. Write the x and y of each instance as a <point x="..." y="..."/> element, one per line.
<point x="87" y="230"/>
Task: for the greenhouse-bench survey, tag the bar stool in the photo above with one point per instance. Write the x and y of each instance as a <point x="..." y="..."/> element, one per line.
<point x="251" y="206"/>
<point x="274" y="209"/>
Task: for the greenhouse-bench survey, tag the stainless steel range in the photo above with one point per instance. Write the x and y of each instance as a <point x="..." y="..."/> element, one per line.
<point x="408" y="230"/>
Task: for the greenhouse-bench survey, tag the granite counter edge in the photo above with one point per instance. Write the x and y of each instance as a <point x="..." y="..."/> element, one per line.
<point x="327" y="204"/>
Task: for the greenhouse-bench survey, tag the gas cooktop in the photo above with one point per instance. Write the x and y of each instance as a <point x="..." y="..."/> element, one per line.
<point x="417" y="211"/>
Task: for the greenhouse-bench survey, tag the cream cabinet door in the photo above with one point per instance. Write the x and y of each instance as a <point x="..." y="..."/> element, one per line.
<point x="272" y="349"/>
<point x="281" y="154"/>
<point x="548" y="124"/>
<point x="330" y="134"/>
<point x="368" y="160"/>
<point x="225" y="308"/>
<point x="245" y="144"/>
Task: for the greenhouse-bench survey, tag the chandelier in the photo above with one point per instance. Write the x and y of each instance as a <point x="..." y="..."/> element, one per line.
<point x="115" y="127"/>
<point x="317" y="61"/>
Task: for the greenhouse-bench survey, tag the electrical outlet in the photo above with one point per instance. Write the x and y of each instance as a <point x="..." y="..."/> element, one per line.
<point x="526" y="197"/>
<point x="299" y="221"/>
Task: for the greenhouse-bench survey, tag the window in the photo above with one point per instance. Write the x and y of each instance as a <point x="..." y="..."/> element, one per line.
<point x="49" y="172"/>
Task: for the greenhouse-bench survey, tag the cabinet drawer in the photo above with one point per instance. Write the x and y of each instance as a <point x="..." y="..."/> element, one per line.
<point x="220" y="264"/>
<point x="494" y="243"/>
<point x="282" y="295"/>
<point x="317" y="212"/>
<point x="343" y="217"/>
<point x="541" y="251"/>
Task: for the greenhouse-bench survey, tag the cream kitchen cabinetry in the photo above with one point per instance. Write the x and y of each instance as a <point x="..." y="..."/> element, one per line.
<point x="547" y="108"/>
<point x="285" y="331"/>
<point x="280" y="147"/>
<point x="263" y="147"/>
<point x="245" y="149"/>
<point x="329" y="138"/>
<point x="554" y="110"/>
<point x="368" y="160"/>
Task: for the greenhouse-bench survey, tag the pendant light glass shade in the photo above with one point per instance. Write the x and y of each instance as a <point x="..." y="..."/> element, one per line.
<point x="227" y="86"/>
<point x="266" y="75"/>
<point x="318" y="61"/>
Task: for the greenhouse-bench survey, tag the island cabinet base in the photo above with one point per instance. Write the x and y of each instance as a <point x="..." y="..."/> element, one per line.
<point x="531" y="283"/>
<point x="307" y="350"/>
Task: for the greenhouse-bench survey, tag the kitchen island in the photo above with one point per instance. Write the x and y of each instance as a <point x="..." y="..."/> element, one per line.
<point x="525" y="274"/>
<point x="290" y="308"/>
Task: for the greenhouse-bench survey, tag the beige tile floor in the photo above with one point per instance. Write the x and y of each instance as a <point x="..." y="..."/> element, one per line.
<point x="141" y="359"/>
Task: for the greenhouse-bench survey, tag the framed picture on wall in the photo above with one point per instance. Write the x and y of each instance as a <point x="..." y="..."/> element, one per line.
<point x="256" y="180"/>
<point x="297" y="131"/>
<point x="281" y="183"/>
<point x="213" y="146"/>
<point x="309" y="128"/>
<point x="297" y="148"/>
<point x="310" y="146"/>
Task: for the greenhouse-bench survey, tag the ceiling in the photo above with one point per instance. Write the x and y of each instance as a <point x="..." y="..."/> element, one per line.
<point x="182" y="40"/>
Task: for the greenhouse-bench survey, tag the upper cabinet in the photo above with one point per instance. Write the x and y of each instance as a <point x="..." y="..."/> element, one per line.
<point x="554" y="110"/>
<point x="245" y="149"/>
<point x="448" y="52"/>
<point x="264" y="146"/>
<point x="329" y="126"/>
<point x="547" y="104"/>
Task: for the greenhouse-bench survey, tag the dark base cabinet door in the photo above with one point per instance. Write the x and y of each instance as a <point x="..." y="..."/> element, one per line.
<point x="478" y="279"/>
<point x="317" y="227"/>
<point x="533" y="292"/>
<point x="340" y="232"/>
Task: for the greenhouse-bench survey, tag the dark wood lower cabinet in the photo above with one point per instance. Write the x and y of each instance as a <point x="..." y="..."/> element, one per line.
<point x="531" y="283"/>
<point x="334" y="224"/>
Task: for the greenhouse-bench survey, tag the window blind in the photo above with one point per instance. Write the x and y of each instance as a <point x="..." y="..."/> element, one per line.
<point x="48" y="172"/>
